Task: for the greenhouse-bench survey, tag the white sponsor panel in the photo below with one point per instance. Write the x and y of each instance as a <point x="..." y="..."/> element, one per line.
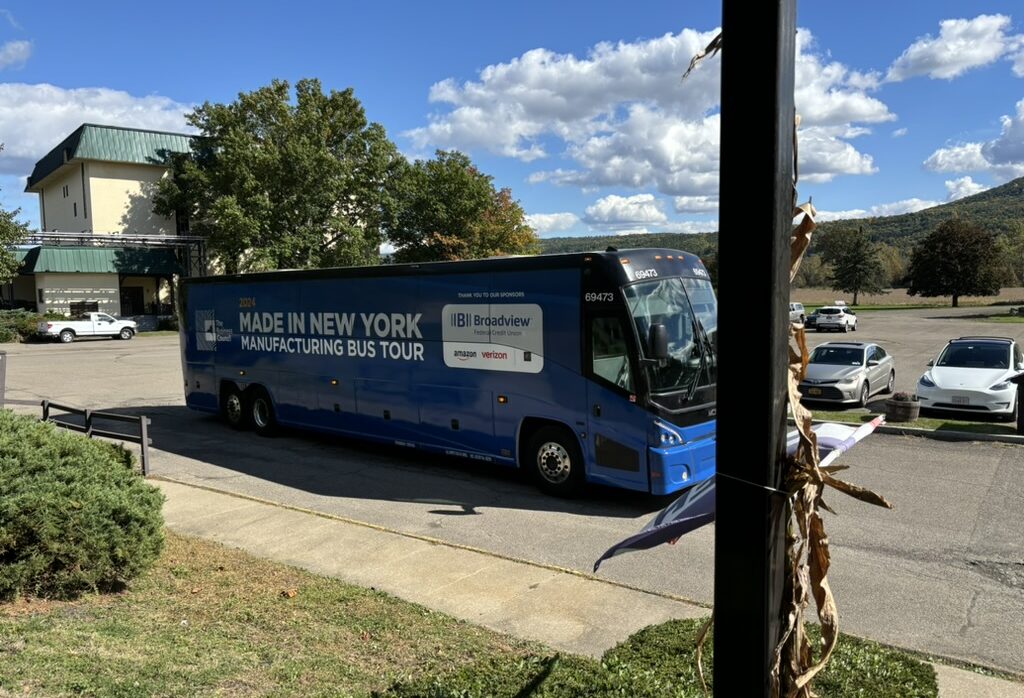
<point x="494" y="337"/>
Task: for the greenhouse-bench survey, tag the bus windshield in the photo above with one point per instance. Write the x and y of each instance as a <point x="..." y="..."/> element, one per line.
<point x="691" y="324"/>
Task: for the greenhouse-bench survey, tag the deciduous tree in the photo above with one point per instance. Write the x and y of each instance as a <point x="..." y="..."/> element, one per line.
<point x="11" y="233"/>
<point x="447" y="209"/>
<point x="957" y="259"/>
<point x="274" y="182"/>
<point x="856" y="267"/>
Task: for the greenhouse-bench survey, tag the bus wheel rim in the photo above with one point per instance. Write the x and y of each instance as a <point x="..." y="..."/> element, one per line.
<point x="234" y="409"/>
<point x="554" y="463"/>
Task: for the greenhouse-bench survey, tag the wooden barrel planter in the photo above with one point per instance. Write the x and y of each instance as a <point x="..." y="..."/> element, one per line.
<point x="902" y="410"/>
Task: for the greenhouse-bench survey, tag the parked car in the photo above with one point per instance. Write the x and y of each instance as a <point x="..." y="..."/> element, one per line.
<point x="811" y="321"/>
<point x="834" y="317"/>
<point x="974" y="375"/>
<point x="848" y="372"/>
<point x="796" y="312"/>
<point x="88" y="325"/>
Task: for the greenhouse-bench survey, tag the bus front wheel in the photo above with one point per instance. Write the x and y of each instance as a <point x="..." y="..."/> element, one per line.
<point x="555" y="461"/>
<point x="232" y="408"/>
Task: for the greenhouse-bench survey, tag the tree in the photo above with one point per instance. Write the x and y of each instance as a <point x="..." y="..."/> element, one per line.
<point x="957" y="259"/>
<point x="894" y="264"/>
<point x="11" y="233"/>
<point x="447" y="209"/>
<point x="1013" y="243"/>
<point x="855" y="262"/>
<point x="813" y="273"/>
<point x="273" y="183"/>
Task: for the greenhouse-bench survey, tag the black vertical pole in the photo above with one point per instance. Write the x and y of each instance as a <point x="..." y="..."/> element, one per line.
<point x="755" y="219"/>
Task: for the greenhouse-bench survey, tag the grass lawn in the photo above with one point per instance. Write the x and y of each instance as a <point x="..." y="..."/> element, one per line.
<point x="208" y="620"/>
<point x="157" y="333"/>
<point x="1005" y="319"/>
<point x="927" y="422"/>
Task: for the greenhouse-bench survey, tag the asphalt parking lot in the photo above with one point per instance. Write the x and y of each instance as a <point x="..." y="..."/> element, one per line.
<point x="940" y="574"/>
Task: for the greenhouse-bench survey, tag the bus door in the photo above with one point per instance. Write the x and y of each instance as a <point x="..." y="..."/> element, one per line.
<point x="617" y="426"/>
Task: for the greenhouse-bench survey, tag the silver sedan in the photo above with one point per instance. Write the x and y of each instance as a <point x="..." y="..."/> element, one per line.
<point x="848" y="373"/>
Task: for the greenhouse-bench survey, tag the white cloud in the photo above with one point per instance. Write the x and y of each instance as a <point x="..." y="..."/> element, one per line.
<point x="35" y="118"/>
<point x="621" y="117"/>
<point x="962" y="44"/>
<point x="894" y="208"/>
<point x="830" y="94"/>
<point x="823" y="155"/>
<point x="899" y="133"/>
<point x="696" y="204"/>
<point x="10" y="18"/>
<point x="824" y="216"/>
<point x="963" y="186"/>
<point x="903" y="206"/>
<point x="965" y="157"/>
<point x="1002" y="157"/>
<point x="625" y="212"/>
<point x="1018" y="61"/>
<point x="14" y="54"/>
<point x="545" y="223"/>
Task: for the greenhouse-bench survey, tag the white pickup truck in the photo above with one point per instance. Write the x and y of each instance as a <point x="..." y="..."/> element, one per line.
<point x="88" y="325"/>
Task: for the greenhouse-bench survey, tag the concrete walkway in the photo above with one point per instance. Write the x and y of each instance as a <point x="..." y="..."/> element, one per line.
<point x="560" y="608"/>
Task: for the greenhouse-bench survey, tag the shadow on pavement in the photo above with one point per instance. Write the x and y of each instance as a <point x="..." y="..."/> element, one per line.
<point x="334" y="466"/>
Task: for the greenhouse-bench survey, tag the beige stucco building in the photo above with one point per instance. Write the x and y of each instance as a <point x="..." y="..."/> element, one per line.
<point x="102" y="245"/>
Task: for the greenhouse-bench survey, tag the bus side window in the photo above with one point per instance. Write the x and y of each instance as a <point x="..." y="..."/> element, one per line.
<point x="609" y="351"/>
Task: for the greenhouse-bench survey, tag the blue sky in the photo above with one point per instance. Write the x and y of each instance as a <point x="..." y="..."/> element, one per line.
<point x="577" y="107"/>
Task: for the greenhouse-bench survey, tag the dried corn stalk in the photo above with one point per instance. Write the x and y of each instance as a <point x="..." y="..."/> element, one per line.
<point x="807" y="554"/>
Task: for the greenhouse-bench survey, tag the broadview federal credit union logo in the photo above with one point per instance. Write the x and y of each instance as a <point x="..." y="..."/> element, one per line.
<point x="494" y="336"/>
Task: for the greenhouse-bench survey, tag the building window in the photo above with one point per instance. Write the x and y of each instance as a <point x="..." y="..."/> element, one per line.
<point x="65" y="191"/>
<point x="75" y="206"/>
<point x="83" y="308"/>
<point x="40" y="291"/>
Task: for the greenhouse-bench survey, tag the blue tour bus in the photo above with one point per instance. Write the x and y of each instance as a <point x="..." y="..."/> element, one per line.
<point x="588" y="366"/>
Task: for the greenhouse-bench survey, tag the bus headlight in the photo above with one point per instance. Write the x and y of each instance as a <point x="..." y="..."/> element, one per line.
<point x="665" y="436"/>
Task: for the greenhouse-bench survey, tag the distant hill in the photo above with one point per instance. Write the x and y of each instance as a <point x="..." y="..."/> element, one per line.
<point x="698" y="244"/>
<point x="995" y="209"/>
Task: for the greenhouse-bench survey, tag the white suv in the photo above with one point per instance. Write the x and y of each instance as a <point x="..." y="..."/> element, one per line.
<point x="834" y="317"/>
<point x="974" y="375"/>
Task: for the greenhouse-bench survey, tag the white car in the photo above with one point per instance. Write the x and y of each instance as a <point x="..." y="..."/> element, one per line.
<point x="88" y="325"/>
<point x="974" y="375"/>
<point x="796" y="312"/>
<point x="836" y="317"/>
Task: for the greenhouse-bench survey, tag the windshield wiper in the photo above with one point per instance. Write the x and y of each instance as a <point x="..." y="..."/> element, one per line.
<point x="706" y="350"/>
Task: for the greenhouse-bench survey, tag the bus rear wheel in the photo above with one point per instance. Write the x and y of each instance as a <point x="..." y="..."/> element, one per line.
<point x="261" y="411"/>
<point x="555" y="461"/>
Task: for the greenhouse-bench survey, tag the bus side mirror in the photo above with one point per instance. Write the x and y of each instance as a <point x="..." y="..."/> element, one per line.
<point x="657" y="341"/>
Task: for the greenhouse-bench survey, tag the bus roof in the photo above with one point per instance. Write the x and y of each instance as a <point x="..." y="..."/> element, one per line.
<point x="621" y="262"/>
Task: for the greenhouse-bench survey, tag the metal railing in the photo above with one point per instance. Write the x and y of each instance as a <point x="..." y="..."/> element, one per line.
<point x="89" y="429"/>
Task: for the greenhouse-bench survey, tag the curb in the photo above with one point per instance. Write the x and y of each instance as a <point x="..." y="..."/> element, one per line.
<point x="943" y="435"/>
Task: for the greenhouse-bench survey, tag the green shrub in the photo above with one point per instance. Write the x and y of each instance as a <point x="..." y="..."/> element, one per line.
<point x="74" y="517"/>
<point x="18" y="325"/>
<point x="168" y="323"/>
<point x="659" y="661"/>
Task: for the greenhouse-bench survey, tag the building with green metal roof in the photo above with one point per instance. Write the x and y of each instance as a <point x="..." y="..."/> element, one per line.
<point x="102" y="245"/>
<point x="101" y="179"/>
